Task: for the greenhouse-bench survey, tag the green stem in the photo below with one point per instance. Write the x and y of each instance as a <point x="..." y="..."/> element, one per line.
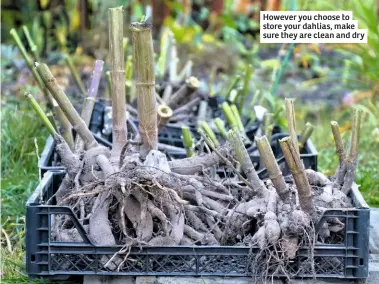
<point x="232" y="85"/>
<point x="75" y="75"/>
<point x="208" y="130"/>
<point x="245" y="89"/>
<point x="32" y="45"/>
<point x="230" y="118"/>
<point x="41" y="115"/>
<point x="305" y="134"/>
<point x="221" y="128"/>
<point x="237" y="118"/>
<point x="188" y="141"/>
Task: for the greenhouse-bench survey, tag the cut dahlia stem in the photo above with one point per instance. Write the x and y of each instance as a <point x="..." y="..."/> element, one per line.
<point x="173" y="62"/>
<point x="187" y="107"/>
<point x="340" y="148"/>
<point x="75" y="75"/>
<point x="242" y="156"/>
<point x="237" y="118"/>
<point x="188" y="141"/>
<point x="29" y="63"/>
<point x="167" y="93"/>
<point x="208" y="130"/>
<point x="268" y="120"/>
<point x="305" y="134"/>
<point x="119" y="129"/>
<point x="291" y="119"/>
<point x="89" y="101"/>
<point x="186" y="71"/>
<point x="233" y="83"/>
<point x="202" y="112"/>
<point x="164" y="115"/>
<point x="65" y="125"/>
<point x="49" y="126"/>
<point x="66" y="106"/>
<point x="351" y="160"/>
<point x="143" y="56"/>
<point x="230" y="118"/>
<point x="269" y="161"/>
<point x="296" y="166"/>
<point x="32" y="45"/>
<point x="245" y="89"/>
<point x="69" y="160"/>
<point x="221" y="127"/>
<point x="185" y="91"/>
<point x="109" y="83"/>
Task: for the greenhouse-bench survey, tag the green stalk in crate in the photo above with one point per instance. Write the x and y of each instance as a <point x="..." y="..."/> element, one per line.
<point x="188" y="141"/>
<point x="305" y="134"/>
<point x="208" y="130"/>
<point x="221" y="127"/>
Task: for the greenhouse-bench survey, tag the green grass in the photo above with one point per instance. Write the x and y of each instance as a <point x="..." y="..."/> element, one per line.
<point x="19" y="178"/>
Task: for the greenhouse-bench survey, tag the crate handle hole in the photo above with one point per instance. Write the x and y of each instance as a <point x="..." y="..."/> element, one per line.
<point x="361" y="261"/>
<point x="32" y="257"/>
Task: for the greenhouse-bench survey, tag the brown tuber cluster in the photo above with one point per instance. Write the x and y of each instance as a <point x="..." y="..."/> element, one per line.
<point x="132" y="195"/>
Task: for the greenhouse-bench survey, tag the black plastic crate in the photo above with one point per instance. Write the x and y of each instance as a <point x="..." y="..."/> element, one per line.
<point x="59" y="260"/>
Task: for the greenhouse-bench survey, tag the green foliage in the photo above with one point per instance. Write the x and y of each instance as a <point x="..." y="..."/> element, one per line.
<point x="19" y="178"/>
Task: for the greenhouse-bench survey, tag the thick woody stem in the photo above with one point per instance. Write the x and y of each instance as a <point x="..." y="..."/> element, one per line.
<point x="305" y="134"/>
<point x="245" y="89"/>
<point x="119" y="130"/>
<point x="65" y="125"/>
<point x="296" y="166"/>
<point x="89" y="101"/>
<point x="208" y="130"/>
<point x="221" y="127"/>
<point x="351" y="161"/>
<point x="291" y="119"/>
<point x="188" y="141"/>
<point x="185" y="91"/>
<point x="340" y="149"/>
<point x="32" y="45"/>
<point x="75" y="75"/>
<point x="356" y="127"/>
<point x="143" y="56"/>
<point x="272" y="166"/>
<point x="66" y="106"/>
<point x="242" y="156"/>
<point x="164" y="115"/>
